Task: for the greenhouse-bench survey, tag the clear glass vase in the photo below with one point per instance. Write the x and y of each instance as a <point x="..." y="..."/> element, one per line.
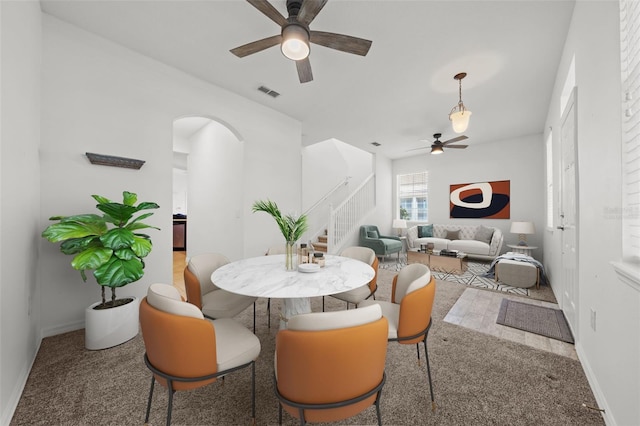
<point x="290" y="256"/>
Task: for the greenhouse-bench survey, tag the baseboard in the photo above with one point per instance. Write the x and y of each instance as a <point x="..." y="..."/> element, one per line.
<point x="595" y="387"/>
<point x="63" y="328"/>
<point x="16" y="394"/>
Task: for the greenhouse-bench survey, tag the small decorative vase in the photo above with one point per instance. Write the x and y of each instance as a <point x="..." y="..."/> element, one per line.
<point x="289" y="259"/>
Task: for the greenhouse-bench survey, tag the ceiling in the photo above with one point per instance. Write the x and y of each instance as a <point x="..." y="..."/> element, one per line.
<point x="399" y="94"/>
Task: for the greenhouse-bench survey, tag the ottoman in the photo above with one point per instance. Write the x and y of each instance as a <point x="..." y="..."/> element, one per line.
<point x="517" y="274"/>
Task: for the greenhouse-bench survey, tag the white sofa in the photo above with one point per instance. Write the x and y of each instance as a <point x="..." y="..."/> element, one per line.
<point x="477" y="241"/>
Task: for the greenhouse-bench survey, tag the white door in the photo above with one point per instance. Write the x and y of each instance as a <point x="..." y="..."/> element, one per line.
<point x="568" y="215"/>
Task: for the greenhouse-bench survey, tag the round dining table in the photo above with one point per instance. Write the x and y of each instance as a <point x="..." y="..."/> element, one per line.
<point x="266" y="276"/>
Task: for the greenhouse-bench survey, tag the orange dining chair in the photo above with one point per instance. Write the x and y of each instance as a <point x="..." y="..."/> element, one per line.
<point x="186" y="351"/>
<point x="357" y="295"/>
<point x="214" y="302"/>
<point x="329" y="366"/>
<point x="409" y="312"/>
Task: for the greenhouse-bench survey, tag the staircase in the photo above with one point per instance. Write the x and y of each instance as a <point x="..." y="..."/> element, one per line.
<point x="346" y="218"/>
<point x="321" y="243"/>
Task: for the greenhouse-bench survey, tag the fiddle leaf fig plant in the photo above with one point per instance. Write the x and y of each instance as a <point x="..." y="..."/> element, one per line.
<point x="107" y="244"/>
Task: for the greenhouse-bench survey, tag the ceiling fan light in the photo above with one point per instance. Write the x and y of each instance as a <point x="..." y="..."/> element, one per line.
<point x="435" y="150"/>
<point x="295" y="42"/>
<point x="460" y="120"/>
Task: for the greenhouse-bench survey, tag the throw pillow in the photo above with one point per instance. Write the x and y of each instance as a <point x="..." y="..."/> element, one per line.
<point x="373" y="234"/>
<point x="425" y="231"/>
<point x="412" y="234"/>
<point x="453" y="235"/>
<point x="483" y="234"/>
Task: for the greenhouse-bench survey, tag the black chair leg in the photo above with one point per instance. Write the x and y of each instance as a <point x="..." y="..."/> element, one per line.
<point x="269" y="312"/>
<point x="418" y="351"/>
<point x="378" y="409"/>
<point x="153" y="382"/>
<point x="254" y="317"/>
<point x="253" y="392"/>
<point x="426" y="355"/>
<point x="170" y="404"/>
<point x="322" y="303"/>
<point x="279" y="413"/>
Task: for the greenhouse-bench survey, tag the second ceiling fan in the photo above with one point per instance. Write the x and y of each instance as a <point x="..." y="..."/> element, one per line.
<point x="295" y="35"/>
<point x="437" y="147"/>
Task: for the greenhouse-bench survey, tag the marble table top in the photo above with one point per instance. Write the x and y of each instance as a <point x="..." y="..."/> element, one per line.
<point x="266" y="276"/>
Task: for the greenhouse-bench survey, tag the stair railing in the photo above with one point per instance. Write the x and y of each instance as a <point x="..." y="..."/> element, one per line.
<point x="317" y="214"/>
<point x="345" y="218"/>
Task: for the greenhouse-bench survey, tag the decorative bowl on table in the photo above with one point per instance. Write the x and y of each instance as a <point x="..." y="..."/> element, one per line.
<point x="308" y="267"/>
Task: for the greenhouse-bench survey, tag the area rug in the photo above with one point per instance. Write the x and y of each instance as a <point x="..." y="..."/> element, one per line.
<point x="473" y="276"/>
<point x="540" y="320"/>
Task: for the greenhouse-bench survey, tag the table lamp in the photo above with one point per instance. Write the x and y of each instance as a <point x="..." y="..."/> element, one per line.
<point x="522" y="229"/>
<point x="399" y="224"/>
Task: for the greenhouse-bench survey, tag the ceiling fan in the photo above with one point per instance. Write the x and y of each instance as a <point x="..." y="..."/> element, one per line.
<point x="437" y="147"/>
<point x="295" y="35"/>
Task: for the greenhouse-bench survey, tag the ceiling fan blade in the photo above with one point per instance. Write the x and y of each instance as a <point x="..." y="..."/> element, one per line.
<point x="304" y="70"/>
<point x="309" y="10"/>
<point x="256" y="46"/>
<point x="456" y="139"/>
<point x="271" y="12"/>
<point x="456" y="146"/>
<point x="345" y="43"/>
<point x="415" y="149"/>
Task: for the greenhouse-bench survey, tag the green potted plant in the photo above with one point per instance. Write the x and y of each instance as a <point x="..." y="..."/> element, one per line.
<point x="110" y="246"/>
<point x="292" y="227"/>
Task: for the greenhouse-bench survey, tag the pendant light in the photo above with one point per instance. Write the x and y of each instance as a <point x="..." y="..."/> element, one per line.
<point x="459" y="115"/>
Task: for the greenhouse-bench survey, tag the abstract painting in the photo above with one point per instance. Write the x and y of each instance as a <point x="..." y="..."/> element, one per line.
<point x="480" y="200"/>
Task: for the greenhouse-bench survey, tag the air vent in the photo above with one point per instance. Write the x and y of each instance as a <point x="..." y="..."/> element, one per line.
<point x="375" y="144"/>
<point x="268" y="91"/>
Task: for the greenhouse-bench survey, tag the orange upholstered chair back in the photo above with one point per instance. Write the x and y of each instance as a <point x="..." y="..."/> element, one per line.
<point x="177" y="339"/>
<point x="197" y="276"/>
<point x="319" y="362"/>
<point x="414" y="289"/>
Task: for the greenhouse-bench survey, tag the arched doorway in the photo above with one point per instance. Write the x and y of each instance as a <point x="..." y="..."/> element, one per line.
<point x="207" y="185"/>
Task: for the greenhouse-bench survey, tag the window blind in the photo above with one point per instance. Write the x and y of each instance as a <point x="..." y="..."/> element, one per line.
<point x="413" y="196"/>
<point x="630" y="61"/>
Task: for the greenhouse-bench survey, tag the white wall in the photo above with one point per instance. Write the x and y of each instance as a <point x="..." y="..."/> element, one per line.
<point x="519" y="160"/>
<point x="610" y="354"/>
<point x="215" y="166"/>
<point x="20" y="36"/>
<point x="100" y="97"/>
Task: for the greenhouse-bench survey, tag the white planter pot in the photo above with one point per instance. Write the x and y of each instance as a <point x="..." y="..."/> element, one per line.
<point x="106" y="328"/>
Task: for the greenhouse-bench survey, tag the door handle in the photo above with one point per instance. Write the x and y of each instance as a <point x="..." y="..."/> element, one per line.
<point x="560" y="228"/>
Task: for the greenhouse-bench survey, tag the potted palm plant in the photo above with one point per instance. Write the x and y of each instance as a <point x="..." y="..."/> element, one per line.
<point x="110" y="246"/>
<point x="292" y="227"/>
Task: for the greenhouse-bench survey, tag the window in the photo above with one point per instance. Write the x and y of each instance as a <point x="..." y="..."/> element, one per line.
<point x="630" y="56"/>
<point x="413" y="196"/>
<point x="549" y="160"/>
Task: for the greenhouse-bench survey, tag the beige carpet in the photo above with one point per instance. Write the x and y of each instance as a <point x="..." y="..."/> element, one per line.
<point x="478" y="379"/>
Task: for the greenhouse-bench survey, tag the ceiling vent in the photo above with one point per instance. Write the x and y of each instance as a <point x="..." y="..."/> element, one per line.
<point x="268" y="91"/>
<point x="375" y="143"/>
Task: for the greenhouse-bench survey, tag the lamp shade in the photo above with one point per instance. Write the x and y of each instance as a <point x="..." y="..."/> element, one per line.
<point x="460" y="120"/>
<point x="295" y="42"/>
<point x="399" y="224"/>
<point x="436" y="150"/>
<point x="522" y="228"/>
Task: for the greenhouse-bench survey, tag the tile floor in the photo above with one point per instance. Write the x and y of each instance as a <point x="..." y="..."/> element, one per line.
<point x="478" y="309"/>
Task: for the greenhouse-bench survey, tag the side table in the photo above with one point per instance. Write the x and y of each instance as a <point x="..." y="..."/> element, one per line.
<point x="522" y="249"/>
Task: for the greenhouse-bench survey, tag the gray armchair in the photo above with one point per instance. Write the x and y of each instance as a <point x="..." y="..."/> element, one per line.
<point x="381" y="244"/>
